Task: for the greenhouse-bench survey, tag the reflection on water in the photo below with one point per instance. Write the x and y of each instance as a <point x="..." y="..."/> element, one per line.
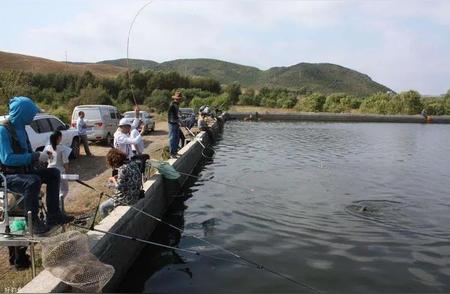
<point x="342" y="207"/>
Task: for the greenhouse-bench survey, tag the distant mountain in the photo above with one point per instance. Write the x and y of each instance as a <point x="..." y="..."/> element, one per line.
<point x="139" y="64"/>
<point x="320" y="77"/>
<point x="19" y="62"/>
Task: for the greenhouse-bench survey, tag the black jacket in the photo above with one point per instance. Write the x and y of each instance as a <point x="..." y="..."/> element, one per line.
<point x="172" y="114"/>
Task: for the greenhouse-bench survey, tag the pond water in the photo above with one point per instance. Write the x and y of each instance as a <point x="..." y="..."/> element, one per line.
<point x="338" y="207"/>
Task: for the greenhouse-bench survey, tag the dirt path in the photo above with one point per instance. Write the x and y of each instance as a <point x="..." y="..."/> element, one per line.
<point x="80" y="200"/>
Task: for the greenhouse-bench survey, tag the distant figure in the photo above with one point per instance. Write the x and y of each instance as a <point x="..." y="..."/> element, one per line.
<point x="82" y="128"/>
<point x="128" y="182"/>
<point x="173" y="119"/>
<point x="203" y="123"/>
<point x="248" y="118"/>
<point x="59" y="159"/>
<point x="424" y="113"/>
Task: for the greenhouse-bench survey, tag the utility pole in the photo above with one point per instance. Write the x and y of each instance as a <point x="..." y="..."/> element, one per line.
<point x="65" y="52"/>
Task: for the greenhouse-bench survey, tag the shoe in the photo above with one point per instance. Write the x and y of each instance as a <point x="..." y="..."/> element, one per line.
<point x="24" y="263"/>
<point x="60" y="219"/>
<point x="39" y="227"/>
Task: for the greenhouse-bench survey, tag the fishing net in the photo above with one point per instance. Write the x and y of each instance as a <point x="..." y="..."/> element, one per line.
<point x="67" y="257"/>
<point x="166" y="170"/>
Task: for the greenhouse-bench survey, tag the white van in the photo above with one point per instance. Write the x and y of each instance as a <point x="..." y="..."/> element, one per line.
<point x="101" y="120"/>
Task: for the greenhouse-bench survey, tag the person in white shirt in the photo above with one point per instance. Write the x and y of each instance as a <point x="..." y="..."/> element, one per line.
<point x="123" y="140"/>
<point x="82" y="129"/>
<point x="125" y="143"/>
<point x="138" y="148"/>
<point x="59" y="159"/>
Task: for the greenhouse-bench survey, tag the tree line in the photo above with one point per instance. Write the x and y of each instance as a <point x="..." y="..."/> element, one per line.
<point x="59" y="93"/>
<point x="408" y="102"/>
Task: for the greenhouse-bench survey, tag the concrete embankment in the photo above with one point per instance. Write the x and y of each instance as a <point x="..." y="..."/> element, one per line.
<point x="336" y="117"/>
<point x="118" y="252"/>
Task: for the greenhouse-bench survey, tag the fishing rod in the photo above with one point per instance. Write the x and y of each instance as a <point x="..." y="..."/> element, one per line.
<point x="128" y="49"/>
<point x="250" y="262"/>
<point x="203" y="145"/>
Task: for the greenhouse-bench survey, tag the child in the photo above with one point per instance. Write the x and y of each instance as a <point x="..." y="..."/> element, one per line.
<point x="59" y="160"/>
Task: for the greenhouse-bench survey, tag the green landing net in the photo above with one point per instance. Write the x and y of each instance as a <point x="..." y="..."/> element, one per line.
<point x="165" y="169"/>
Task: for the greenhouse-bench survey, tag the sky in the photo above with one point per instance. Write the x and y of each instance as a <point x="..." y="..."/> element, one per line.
<point x="401" y="44"/>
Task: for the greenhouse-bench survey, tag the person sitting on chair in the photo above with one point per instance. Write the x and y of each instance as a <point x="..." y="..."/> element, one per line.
<point x="203" y="123"/>
<point x="128" y="181"/>
<point x="17" y="161"/>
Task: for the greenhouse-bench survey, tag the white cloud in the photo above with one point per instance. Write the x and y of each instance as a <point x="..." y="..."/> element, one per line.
<point x="264" y="33"/>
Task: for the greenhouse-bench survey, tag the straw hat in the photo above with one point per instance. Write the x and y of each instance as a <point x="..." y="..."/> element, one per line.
<point x="177" y="95"/>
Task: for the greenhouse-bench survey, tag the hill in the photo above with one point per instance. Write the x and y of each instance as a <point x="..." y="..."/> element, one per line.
<point x="139" y="64"/>
<point x="320" y="77"/>
<point x="19" y="62"/>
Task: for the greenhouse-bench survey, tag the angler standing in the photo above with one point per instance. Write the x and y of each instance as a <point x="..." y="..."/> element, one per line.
<point x="174" y="123"/>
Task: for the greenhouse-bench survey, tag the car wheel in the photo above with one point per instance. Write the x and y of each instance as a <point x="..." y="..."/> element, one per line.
<point x="75" y="148"/>
<point x="109" y="141"/>
<point x="153" y="128"/>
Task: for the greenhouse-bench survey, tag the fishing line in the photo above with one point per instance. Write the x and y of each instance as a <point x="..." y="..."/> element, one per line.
<point x="203" y="145"/>
<point x="250" y="262"/>
<point x="159" y="244"/>
<point x="158" y="162"/>
<point x="128" y="49"/>
<point x="217" y="182"/>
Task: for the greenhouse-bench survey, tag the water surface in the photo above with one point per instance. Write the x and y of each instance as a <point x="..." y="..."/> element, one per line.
<point x="340" y="207"/>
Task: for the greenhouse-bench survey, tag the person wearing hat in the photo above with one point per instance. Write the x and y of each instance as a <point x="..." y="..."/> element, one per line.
<point x="174" y="123"/>
<point x="122" y="139"/>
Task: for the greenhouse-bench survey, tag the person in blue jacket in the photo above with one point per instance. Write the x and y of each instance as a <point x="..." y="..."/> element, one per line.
<point x="17" y="161"/>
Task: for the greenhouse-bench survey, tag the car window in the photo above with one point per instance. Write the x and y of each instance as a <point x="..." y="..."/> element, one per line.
<point x="43" y="125"/>
<point x="91" y="113"/>
<point x="113" y="115"/>
<point x="128" y="115"/>
<point x="35" y="126"/>
<point x="56" y="124"/>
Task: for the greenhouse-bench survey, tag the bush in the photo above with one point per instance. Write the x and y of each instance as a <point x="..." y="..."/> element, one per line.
<point x="159" y="100"/>
<point x="311" y="103"/>
<point x="248" y="100"/>
<point x="446" y="102"/>
<point x="409" y="103"/>
<point x="197" y="102"/>
<point x="379" y="103"/>
<point x="97" y="95"/>
<point x="233" y="91"/>
<point x="222" y="102"/>
<point x="434" y="106"/>
<point x="64" y="113"/>
<point x="287" y="102"/>
<point x="340" y="102"/>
